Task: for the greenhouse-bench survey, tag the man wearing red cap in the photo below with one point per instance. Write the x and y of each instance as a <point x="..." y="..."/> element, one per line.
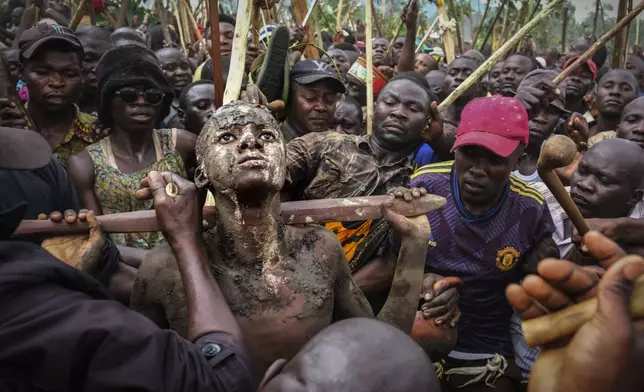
<point x="578" y="86"/>
<point x="492" y="231"/>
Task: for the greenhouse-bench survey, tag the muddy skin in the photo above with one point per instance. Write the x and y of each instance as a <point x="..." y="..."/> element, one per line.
<point x="283" y="283"/>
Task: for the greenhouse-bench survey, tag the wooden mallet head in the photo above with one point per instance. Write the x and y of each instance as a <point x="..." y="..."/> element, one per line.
<point x="558" y="151"/>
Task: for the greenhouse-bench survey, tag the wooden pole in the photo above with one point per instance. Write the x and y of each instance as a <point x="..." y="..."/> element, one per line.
<point x="596" y="17"/>
<point x="459" y="39"/>
<point x="369" y="49"/>
<point x="300" y="9"/>
<point x="499" y="54"/>
<point x="628" y="31"/>
<point x="338" y="19"/>
<point x="91" y="12"/>
<point x="620" y="39"/>
<point x="218" y="78"/>
<point x="394" y="38"/>
<point x="78" y="15"/>
<point x="427" y="33"/>
<point x="448" y="39"/>
<point x="496" y="18"/>
<point x="599" y="43"/>
<point x="478" y="31"/>
<point x="637" y="32"/>
<point x="177" y="16"/>
<point x="564" y="27"/>
<point x="504" y="26"/>
<point x="377" y="21"/>
<point x="238" y="54"/>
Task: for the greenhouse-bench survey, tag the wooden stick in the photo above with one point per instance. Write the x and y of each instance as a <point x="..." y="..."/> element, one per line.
<point x="218" y="78"/>
<point x="377" y="21"/>
<point x="123" y="12"/>
<point x="78" y="15"/>
<point x="499" y="54"/>
<point x="238" y="54"/>
<point x="300" y="9"/>
<point x="599" y="43"/>
<point x="395" y="37"/>
<point x="448" y="40"/>
<point x="564" y="323"/>
<point x="496" y="18"/>
<point x="369" y="53"/>
<point x="295" y="212"/>
<point x="478" y="31"/>
<point x="429" y="31"/>
<point x="91" y="12"/>
<point x="177" y="17"/>
<point x="109" y="17"/>
<point x="459" y="39"/>
<point x="618" y="54"/>
<point x="564" y="28"/>
<point x="309" y="12"/>
<point x="637" y="33"/>
<point x="195" y="28"/>
<point x="596" y="17"/>
<point x="338" y="19"/>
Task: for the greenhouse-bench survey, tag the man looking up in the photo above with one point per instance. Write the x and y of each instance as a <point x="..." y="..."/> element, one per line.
<point x="457" y="72"/>
<point x="283" y="283"/>
<point x="515" y="68"/>
<point x="196" y="105"/>
<point x="50" y="61"/>
<point x="95" y="41"/>
<point x="494" y="229"/>
<point x="315" y="89"/>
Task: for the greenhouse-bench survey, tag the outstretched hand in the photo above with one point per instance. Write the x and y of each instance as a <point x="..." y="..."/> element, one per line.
<point x="410" y="13"/>
<point x="577" y="128"/>
<point x="580" y="364"/>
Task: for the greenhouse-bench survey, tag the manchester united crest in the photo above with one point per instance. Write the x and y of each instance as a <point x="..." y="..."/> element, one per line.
<point x="507" y="257"/>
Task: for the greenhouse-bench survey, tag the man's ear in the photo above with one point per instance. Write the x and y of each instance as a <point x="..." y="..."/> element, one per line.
<point x="272" y="372"/>
<point x="200" y="177"/>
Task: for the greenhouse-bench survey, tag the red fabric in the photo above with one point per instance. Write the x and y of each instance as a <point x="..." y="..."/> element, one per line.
<point x="497" y="123"/>
<point x="98" y="5"/>
<point x="590" y="63"/>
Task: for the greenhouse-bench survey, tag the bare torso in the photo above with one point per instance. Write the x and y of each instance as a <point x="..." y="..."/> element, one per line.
<point x="279" y="304"/>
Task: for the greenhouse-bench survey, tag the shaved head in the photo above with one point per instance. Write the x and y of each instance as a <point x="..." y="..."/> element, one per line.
<point x="355" y="355"/>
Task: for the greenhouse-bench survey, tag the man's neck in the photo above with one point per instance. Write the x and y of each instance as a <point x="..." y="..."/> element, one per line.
<point x="387" y="156"/>
<point x="88" y="103"/>
<point x="249" y="234"/>
<point x="46" y="119"/>
<point x="606" y="123"/>
<point x="528" y="163"/>
<point x="454" y="110"/>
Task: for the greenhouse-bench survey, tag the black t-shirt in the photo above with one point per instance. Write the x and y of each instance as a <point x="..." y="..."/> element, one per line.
<point x="45" y="190"/>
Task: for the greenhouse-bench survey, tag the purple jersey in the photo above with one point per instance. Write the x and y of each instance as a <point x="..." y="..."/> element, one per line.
<point x="486" y="252"/>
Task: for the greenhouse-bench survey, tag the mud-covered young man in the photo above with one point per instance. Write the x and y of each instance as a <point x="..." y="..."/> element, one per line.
<point x="283" y="283"/>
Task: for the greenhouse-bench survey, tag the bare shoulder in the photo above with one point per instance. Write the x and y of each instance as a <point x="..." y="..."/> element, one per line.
<point x="317" y="240"/>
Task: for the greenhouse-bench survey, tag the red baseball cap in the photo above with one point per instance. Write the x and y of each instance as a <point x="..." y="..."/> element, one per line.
<point x="590" y="63"/>
<point x="497" y="123"/>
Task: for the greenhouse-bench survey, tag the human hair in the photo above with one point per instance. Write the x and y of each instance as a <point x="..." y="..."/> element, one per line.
<point x="126" y="33"/>
<point x="353" y="102"/>
<point x="345" y="46"/>
<point x="155" y="32"/>
<point x="631" y="78"/>
<point x="223" y="18"/>
<point x="533" y="61"/>
<point x="418" y="80"/>
<point x="92" y="32"/>
<point x="184" y="92"/>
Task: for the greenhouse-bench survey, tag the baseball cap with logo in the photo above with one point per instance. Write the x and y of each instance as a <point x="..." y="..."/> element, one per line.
<point x="32" y="39"/>
<point x="311" y="71"/>
<point x="497" y="123"/>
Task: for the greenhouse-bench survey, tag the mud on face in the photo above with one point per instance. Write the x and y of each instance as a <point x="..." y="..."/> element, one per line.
<point x="241" y="149"/>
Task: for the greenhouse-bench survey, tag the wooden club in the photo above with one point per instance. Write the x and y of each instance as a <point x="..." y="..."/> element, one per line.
<point x="294" y="212"/>
<point x="559" y="151"/>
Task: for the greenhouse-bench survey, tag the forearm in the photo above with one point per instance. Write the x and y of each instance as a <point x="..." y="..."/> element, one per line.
<point x="407" y="55"/>
<point x="402" y="303"/>
<point x="376" y="276"/>
<point x="207" y="307"/>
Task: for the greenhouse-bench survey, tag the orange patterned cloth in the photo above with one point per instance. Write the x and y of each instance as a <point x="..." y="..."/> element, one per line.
<point x="361" y="240"/>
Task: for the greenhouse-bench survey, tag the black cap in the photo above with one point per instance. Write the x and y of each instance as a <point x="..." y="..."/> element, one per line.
<point x="311" y="71"/>
<point x="36" y="36"/>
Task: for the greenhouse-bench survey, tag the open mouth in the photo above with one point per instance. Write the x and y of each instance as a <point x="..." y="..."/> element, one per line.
<point x="141" y="117"/>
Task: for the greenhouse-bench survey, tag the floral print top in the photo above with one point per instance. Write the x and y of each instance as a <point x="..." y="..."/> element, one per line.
<point x="115" y="190"/>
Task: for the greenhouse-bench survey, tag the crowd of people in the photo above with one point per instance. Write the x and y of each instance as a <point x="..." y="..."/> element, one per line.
<point x="104" y="121"/>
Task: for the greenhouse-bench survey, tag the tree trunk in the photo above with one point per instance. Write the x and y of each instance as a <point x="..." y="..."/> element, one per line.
<point x="564" y="27"/>
<point x="478" y="31"/>
<point x="620" y="38"/>
<point x="596" y="18"/>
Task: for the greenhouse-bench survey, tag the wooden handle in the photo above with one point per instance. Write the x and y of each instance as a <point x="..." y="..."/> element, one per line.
<point x="549" y="328"/>
<point x="559" y="192"/>
<point x="294" y="212"/>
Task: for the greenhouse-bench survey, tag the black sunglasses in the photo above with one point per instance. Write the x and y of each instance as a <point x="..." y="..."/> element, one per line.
<point x="129" y="95"/>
